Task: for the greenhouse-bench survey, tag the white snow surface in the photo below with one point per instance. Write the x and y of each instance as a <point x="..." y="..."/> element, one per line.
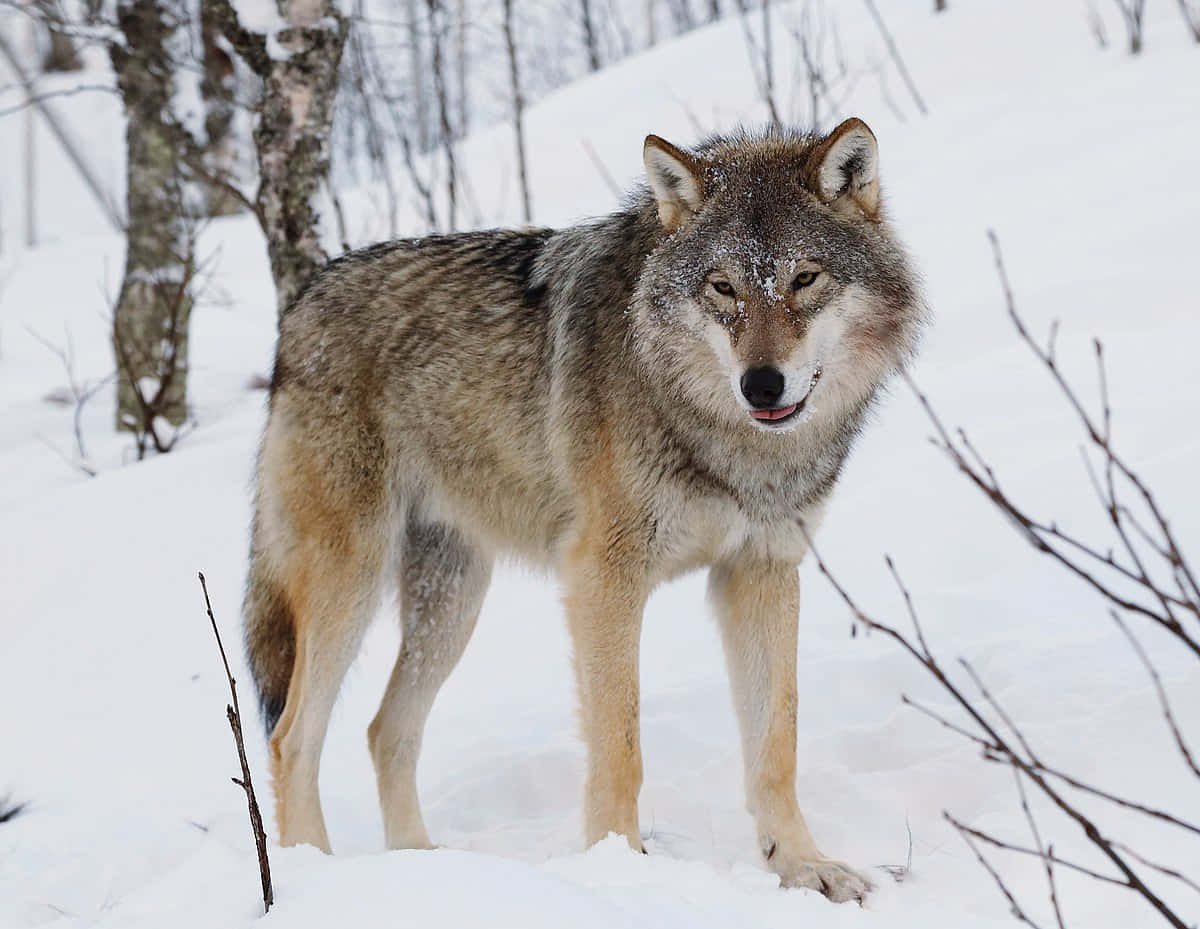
<point x="112" y="697"/>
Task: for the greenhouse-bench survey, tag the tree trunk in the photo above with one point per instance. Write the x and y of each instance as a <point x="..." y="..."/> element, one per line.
<point x="292" y="139"/>
<point x="61" y="55"/>
<point x="461" y="64"/>
<point x="681" y="12"/>
<point x="150" y="322"/>
<point x="590" y="41"/>
<point x="217" y="88"/>
<point x="1191" y="18"/>
<point x="514" y="75"/>
<point x="420" y="107"/>
<point x="437" y="33"/>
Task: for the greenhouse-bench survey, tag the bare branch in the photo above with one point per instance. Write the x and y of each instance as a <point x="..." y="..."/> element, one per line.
<point x="233" y="712"/>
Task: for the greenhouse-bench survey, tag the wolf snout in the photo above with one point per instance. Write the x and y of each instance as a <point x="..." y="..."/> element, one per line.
<point x="762" y="387"/>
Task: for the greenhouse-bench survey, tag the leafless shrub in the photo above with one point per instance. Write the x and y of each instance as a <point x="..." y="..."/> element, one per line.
<point x="76" y="395"/>
<point x="761" y="59"/>
<point x="1144" y="578"/>
<point x="823" y="73"/>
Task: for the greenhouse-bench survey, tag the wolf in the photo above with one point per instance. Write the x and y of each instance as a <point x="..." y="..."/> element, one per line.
<point x="673" y="387"/>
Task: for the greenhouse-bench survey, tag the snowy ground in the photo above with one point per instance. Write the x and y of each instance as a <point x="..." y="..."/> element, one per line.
<point x="111" y="694"/>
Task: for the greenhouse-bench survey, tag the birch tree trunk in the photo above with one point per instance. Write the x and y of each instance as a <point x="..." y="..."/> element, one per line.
<point x="292" y="136"/>
<point x="150" y="321"/>
<point x="292" y="139"/>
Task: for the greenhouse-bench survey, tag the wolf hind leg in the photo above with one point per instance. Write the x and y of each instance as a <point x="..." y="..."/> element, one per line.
<point x="443" y="579"/>
<point x="324" y="525"/>
<point x="333" y="590"/>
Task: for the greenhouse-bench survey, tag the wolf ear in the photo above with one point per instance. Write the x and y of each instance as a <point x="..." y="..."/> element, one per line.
<point x="844" y="168"/>
<point x="674" y="178"/>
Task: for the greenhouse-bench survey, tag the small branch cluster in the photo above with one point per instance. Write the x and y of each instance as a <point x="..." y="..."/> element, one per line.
<point x="826" y="77"/>
<point x="77" y="395"/>
<point x="1149" y="581"/>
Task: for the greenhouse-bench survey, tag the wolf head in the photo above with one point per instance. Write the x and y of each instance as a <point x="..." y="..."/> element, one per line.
<point x="779" y="292"/>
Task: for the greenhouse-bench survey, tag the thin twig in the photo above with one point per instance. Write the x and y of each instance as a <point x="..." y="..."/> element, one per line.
<point x="233" y="712"/>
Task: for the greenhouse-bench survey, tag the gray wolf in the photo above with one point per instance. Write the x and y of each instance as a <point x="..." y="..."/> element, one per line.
<point x="673" y="387"/>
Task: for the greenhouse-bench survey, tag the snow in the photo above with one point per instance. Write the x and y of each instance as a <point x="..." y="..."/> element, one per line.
<point x="112" y="692"/>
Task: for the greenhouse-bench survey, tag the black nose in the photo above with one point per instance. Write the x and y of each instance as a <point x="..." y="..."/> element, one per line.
<point x="762" y="387"/>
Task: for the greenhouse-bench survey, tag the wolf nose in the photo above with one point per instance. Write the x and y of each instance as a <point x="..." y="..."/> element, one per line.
<point x="762" y="387"/>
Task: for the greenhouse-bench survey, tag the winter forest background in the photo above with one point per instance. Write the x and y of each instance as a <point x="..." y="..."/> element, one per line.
<point x="1000" y="723"/>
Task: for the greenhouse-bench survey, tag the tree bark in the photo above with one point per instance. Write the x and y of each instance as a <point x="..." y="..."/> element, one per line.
<point x="292" y="139"/>
<point x="150" y="321"/>
<point x="292" y="135"/>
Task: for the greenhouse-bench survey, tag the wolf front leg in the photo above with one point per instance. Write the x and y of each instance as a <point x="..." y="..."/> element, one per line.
<point x="758" y="605"/>
<point x="605" y="593"/>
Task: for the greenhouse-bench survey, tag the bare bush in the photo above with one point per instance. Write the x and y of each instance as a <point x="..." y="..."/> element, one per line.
<point x="76" y="395"/>
<point x="1143" y="576"/>
<point x="824" y="74"/>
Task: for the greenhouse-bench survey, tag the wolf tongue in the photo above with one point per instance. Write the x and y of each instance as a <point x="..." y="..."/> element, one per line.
<point x="774" y="414"/>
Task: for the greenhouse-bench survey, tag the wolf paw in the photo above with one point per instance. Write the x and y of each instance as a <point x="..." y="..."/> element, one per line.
<point x="835" y="880"/>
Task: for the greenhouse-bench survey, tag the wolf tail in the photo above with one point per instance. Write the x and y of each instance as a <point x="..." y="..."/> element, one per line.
<point x="270" y="634"/>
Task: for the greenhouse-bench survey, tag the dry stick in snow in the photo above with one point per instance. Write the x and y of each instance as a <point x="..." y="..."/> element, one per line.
<point x="895" y="53"/>
<point x="235" y="723"/>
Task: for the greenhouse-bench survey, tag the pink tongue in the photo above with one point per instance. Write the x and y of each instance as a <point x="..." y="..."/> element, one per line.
<point x="774" y="414"/>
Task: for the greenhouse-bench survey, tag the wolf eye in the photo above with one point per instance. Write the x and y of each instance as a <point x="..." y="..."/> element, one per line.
<point x="803" y="279"/>
<point x="724" y="288"/>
